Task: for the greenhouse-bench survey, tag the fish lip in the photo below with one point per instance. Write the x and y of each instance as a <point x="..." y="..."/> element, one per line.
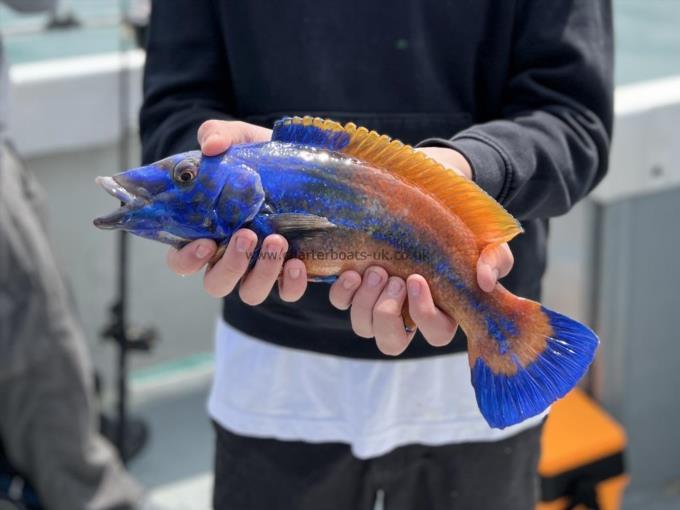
<point x="118" y="190"/>
<point x="112" y="220"/>
<point x="131" y="198"/>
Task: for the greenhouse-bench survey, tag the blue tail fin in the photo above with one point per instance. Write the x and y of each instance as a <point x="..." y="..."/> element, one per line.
<point x="506" y="398"/>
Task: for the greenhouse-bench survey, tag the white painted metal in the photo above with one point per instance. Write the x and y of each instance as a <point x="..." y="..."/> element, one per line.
<point x="44" y="118"/>
<point x="72" y="104"/>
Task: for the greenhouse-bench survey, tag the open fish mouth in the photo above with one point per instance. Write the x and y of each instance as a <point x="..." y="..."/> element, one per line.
<point x="131" y="198"/>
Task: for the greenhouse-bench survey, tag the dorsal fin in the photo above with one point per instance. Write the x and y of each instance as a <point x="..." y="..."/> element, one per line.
<point x="486" y="218"/>
<point x="310" y="131"/>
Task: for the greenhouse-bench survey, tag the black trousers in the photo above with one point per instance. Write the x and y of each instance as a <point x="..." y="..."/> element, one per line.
<point x="266" y="474"/>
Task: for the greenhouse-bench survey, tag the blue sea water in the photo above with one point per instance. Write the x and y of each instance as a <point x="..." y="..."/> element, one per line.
<point x="26" y="40"/>
<point x="647" y="35"/>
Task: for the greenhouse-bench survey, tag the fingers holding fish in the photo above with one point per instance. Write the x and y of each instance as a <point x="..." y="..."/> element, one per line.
<point x="258" y="283"/>
<point x="343" y="289"/>
<point x="437" y="327"/>
<point x="364" y="300"/>
<point x="293" y="280"/>
<point x="504" y="257"/>
<point x="223" y="277"/>
<point x="388" y="323"/>
<point x="192" y="257"/>
<point x="216" y="136"/>
<point x="494" y="262"/>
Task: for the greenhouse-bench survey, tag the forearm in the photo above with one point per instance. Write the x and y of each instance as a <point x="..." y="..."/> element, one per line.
<point x="539" y="164"/>
<point x="548" y="145"/>
<point x="186" y="77"/>
<point x="170" y="126"/>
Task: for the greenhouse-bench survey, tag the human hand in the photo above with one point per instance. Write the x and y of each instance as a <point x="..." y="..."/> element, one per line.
<point x="376" y="300"/>
<point x="216" y="136"/>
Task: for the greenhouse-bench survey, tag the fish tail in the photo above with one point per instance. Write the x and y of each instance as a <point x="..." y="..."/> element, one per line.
<point x="523" y="357"/>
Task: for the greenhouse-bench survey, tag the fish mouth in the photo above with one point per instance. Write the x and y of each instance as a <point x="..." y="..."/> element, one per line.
<point x="131" y="197"/>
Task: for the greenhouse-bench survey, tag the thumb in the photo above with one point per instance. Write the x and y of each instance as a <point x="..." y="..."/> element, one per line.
<point x="494" y="262"/>
<point x="216" y="136"/>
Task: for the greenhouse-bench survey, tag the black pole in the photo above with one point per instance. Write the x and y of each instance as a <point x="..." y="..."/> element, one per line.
<point x="122" y="342"/>
<point x="121" y="305"/>
<point x="128" y="434"/>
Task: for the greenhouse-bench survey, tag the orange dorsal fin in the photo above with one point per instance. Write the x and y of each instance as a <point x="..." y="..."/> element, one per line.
<point x="486" y="218"/>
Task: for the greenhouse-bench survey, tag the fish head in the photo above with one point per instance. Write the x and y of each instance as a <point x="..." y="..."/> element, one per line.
<point x="183" y="197"/>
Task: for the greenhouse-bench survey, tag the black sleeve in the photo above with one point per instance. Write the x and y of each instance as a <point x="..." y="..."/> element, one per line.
<point x="550" y="146"/>
<point x="186" y="77"/>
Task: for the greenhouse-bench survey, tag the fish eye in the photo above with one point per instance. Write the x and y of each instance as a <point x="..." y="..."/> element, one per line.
<point x="185" y="171"/>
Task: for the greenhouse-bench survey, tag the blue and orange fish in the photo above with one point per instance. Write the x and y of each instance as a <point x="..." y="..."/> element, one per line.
<point x="333" y="189"/>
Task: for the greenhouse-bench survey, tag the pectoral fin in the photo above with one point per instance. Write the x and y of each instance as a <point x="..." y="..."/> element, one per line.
<point x="294" y="227"/>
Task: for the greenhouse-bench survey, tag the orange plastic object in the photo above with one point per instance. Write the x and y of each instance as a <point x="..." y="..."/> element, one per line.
<point x="577" y="434"/>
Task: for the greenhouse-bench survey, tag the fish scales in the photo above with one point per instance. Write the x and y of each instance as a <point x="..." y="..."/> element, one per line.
<point x="347" y="198"/>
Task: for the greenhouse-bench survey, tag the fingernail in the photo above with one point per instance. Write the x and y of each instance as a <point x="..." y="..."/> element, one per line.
<point x="414" y="288"/>
<point x="242" y="244"/>
<point x="269" y="253"/>
<point x="202" y="251"/>
<point x="394" y="287"/>
<point x="294" y="272"/>
<point x="373" y="279"/>
<point x="348" y="283"/>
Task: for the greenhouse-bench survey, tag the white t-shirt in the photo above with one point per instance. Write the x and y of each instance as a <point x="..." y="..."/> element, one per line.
<point x="264" y="390"/>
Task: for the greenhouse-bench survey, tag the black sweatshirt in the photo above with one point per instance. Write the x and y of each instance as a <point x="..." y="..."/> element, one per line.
<point x="522" y="88"/>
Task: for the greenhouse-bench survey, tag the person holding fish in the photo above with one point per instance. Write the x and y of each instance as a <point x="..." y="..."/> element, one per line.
<point x="509" y="103"/>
